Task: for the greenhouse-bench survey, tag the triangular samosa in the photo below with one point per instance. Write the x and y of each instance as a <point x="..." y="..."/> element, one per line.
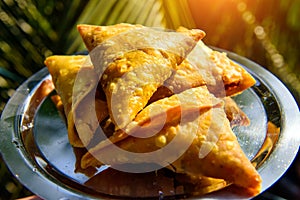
<point x="213" y="150"/>
<point x="131" y="68"/>
<point x="64" y="71"/>
<point x="155" y="118"/>
<point x="204" y="66"/>
<point x="93" y="35"/>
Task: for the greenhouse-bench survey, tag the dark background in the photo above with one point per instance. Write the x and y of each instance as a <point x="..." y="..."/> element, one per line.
<point x="265" y="31"/>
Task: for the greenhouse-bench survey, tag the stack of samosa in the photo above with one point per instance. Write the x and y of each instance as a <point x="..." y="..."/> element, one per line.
<point x="144" y="88"/>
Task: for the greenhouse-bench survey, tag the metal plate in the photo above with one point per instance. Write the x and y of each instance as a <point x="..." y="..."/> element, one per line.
<point x="34" y="142"/>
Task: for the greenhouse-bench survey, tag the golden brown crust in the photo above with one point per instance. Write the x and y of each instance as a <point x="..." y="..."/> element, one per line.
<point x="215" y="152"/>
<point x="64" y="70"/>
<point x="134" y="67"/>
<point x="203" y="66"/>
<point x="236" y="79"/>
<point x="94" y="35"/>
<point x="156" y="116"/>
<point x="133" y="79"/>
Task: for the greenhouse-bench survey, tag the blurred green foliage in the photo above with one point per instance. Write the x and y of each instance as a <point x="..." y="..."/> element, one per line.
<point x="266" y="31"/>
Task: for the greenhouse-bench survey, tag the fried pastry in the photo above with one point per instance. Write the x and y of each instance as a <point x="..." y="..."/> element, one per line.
<point x="152" y="119"/>
<point x="77" y="105"/>
<point x="132" y="68"/>
<point x="234" y="113"/>
<point x="204" y="66"/>
<point x="63" y="70"/>
<point x="214" y="151"/>
<point x="93" y="35"/>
